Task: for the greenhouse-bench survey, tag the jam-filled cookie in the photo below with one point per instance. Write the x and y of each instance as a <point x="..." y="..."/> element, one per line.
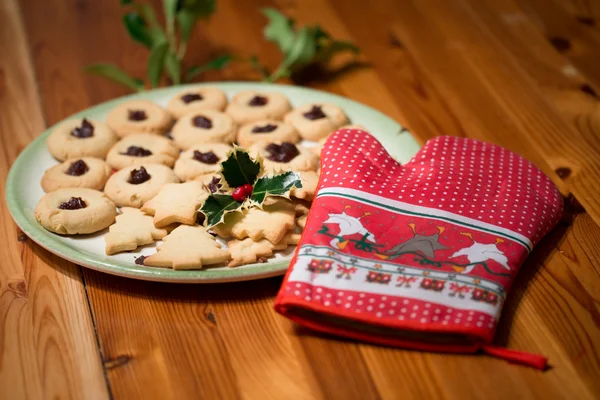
<point x="196" y="99"/>
<point x="267" y="130"/>
<point x="133" y="186"/>
<point x="86" y="172"/>
<point x="80" y="138"/>
<point x="71" y="211"/>
<point x="205" y="126"/>
<point x="139" y="116"/>
<point x="142" y="148"/>
<point x="250" y="105"/>
<point x="285" y="156"/>
<point x="316" y="121"/>
<point x="201" y="159"/>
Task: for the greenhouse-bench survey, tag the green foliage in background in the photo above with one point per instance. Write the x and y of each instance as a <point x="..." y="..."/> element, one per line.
<point x="301" y="47"/>
<point x="167" y="44"/>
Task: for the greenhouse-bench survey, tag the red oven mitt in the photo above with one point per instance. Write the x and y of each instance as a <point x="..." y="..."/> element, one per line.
<point x="420" y="255"/>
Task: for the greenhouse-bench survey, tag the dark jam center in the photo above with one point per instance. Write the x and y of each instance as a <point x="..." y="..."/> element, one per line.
<point x="74" y="203"/>
<point x="188" y="98"/>
<point x="283" y="152"/>
<point x="202" y="122"/>
<point x="138" y="176"/>
<point x="215" y="184"/>
<point x="136" y="151"/>
<point x="77" y="168"/>
<point x="140" y="260"/>
<point x="315" y="113"/>
<point x="207" y="158"/>
<point x="258" y="101"/>
<point x="86" y="130"/>
<point x="264" y="129"/>
<point x="200" y="218"/>
<point x="137" y="115"/>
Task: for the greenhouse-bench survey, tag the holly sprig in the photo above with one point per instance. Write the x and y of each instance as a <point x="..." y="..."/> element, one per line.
<point x="248" y="187"/>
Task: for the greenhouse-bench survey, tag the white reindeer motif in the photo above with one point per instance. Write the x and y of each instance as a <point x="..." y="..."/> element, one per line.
<point x="348" y="225"/>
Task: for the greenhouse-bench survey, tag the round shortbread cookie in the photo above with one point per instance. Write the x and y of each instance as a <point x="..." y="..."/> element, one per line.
<point x="71" y="211"/>
<point x="266" y="130"/>
<point x="76" y="138"/>
<point x="250" y="105"/>
<point x="284" y="156"/>
<point x="197" y="99"/>
<point x="142" y="148"/>
<point x="86" y="172"/>
<point x="316" y="121"/>
<point x="201" y="159"/>
<point x="205" y="126"/>
<point x="133" y="186"/>
<point x="139" y="116"/>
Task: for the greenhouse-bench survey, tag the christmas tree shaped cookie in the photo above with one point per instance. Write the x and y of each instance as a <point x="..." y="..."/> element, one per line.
<point x="188" y="247"/>
<point x="271" y="222"/>
<point x="176" y="202"/>
<point x="132" y="229"/>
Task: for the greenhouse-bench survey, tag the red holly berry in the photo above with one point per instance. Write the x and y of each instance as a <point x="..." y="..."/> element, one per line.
<point x="248" y="189"/>
<point x="239" y="194"/>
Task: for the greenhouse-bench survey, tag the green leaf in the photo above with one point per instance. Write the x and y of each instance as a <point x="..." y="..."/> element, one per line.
<point x="217" y="64"/>
<point x="256" y="64"/>
<point x="302" y="51"/>
<point x="147" y="12"/>
<point x="115" y="74"/>
<point x="240" y="168"/>
<point x="278" y="185"/>
<point x="216" y="206"/>
<point x="126" y="2"/>
<point x="337" y="46"/>
<point x="280" y="29"/>
<point x="173" y="68"/>
<point x="136" y="27"/>
<point x="157" y="61"/>
<point x="191" y="11"/>
<point x="187" y="22"/>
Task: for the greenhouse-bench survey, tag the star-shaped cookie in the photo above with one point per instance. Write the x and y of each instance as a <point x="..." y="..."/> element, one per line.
<point x="188" y="247"/>
<point x="271" y="223"/>
<point x="176" y="202"/>
<point x="132" y="228"/>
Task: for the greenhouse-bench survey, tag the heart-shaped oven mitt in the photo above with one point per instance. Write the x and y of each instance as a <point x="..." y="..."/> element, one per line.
<point x="420" y="255"/>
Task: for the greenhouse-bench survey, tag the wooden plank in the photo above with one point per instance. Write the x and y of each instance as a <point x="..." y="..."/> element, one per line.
<point x="47" y="344"/>
<point x="572" y="38"/>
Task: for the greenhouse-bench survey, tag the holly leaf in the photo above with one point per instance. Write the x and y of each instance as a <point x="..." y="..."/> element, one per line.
<point x="280" y="29"/>
<point x="240" y="168"/>
<point x="278" y="185"/>
<point x="216" y="206"/>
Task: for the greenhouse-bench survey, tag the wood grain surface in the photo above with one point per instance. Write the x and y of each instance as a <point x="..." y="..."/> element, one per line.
<point x="520" y="73"/>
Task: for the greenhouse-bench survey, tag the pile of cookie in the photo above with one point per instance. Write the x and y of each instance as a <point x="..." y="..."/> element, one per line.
<point x="146" y="171"/>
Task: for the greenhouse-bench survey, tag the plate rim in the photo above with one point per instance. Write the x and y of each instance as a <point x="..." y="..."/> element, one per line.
<point x="51" y="243"/>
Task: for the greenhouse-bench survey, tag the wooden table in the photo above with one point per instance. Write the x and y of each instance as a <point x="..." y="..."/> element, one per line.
<point x="521" y="73"/>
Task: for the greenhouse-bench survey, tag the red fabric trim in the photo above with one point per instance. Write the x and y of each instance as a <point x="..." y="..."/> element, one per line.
<point x="516" y="356"/>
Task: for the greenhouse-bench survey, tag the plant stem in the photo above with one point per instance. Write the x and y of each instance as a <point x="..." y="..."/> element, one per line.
<point x="280" y="72"/>
<point x="182" y="50"/>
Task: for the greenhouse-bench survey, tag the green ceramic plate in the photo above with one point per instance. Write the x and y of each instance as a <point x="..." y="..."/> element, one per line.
<point x="23" y="190"/>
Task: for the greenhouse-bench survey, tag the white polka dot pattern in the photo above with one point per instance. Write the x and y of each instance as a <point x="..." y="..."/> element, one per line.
<point x="463" y="176"/>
